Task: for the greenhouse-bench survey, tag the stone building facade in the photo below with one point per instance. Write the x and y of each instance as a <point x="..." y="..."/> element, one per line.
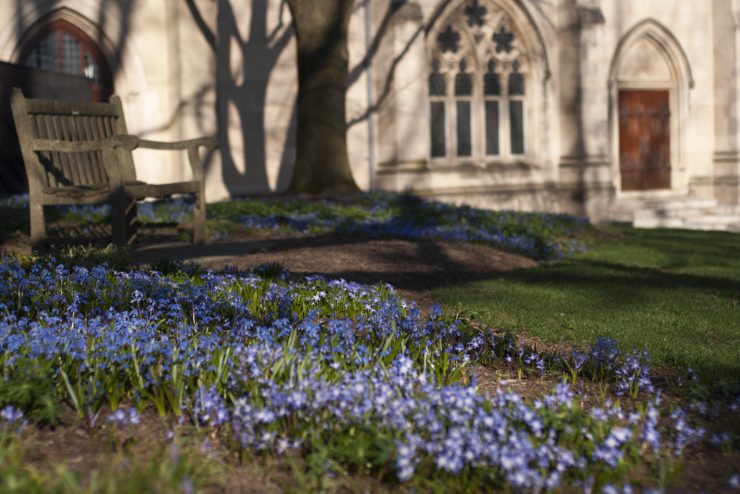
<point x="608" y="108"/>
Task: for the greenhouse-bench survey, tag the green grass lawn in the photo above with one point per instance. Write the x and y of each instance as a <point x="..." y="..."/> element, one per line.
<point x="677" y="293"/>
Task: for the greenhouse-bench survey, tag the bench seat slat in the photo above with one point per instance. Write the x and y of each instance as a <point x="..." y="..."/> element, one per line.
<point x="76" y="190"/>
<point x="140" y="190"/>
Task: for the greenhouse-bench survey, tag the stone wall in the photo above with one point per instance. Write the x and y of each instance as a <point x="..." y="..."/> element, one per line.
<point x="193" y="67"/>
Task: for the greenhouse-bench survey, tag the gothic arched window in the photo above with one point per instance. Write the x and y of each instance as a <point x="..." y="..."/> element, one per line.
<point x="437" y="96"/>
<point x="516" y="109"/>
<point x="463" y="102"/>
<point x="492" y="95"/>
<point x="478" y="85"/>
<point x="62" y="47"/>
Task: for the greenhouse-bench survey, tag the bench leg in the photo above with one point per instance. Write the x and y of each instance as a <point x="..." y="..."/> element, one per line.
<point x="132" y="221"/>
<point x="38" y="227"/>
<point x="199" y="219"/>
<point x="123" y="216"/>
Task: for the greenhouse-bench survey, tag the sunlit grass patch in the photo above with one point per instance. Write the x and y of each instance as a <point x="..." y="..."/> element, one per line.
<point x="675" y="293"/>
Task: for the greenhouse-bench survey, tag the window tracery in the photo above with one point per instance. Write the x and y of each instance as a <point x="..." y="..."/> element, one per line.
<point x="476" y="14"/>
<point x="478" y="85"/>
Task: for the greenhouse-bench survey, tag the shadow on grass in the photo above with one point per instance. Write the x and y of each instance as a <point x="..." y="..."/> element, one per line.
<point x="619" y="285"/>
<point x="674" y="249"/>
<point x="675" y="292"/>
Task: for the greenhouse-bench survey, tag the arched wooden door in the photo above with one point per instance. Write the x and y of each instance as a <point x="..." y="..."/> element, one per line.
<point x="63" y="47"/>
<point x="644" y="139"/>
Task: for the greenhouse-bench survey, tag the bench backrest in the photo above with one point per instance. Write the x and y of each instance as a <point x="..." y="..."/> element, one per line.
<point x="70" y="122"/>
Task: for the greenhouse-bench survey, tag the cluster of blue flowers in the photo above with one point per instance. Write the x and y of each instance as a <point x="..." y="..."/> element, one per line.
<point x="371" y="215"/>
<point x="282" y="365"/>
<point x="10" y="416"/>
<point x="392" y="216"/>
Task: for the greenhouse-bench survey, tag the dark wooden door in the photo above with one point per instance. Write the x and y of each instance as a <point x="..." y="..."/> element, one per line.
<point x="644" y="139"/>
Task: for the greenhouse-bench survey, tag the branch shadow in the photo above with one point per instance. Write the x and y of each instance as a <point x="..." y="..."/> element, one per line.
<point x="245" y="100"/>
<point x="410" y="265"/>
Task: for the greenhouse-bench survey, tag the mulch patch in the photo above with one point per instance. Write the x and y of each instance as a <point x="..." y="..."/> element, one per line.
<point x="414" y="267"/>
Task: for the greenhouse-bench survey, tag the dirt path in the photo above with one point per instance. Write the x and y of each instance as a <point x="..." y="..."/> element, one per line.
<point x="415" y="267"/>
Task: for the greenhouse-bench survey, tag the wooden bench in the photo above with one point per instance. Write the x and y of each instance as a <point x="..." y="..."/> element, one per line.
<point x="81" y="153"/>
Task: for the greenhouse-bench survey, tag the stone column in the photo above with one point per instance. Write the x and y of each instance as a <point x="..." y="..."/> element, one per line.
<point x="585" y="178"/>
<point x="727" y="101"/>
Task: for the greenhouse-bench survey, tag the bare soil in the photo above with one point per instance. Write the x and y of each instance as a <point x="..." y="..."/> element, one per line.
<point x="414" y="267"/>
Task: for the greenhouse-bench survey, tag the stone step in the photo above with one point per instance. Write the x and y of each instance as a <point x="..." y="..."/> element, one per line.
<point x="729" y="222"/>
<point x="714" y="219"/>
<point x="659" y="223"/>
<point x="631" y="205"/>
<point x="712" y="227"/>
<point x="647" y="214"/>
<point x="677" y="212"/>
<point x="688" y="213"/>
<point x="728" y="209"/>
<point x="689" y="225"/>
<point x="680" y="203"/>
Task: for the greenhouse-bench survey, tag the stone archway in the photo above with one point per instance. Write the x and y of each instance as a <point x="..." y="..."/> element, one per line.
<point x="649" y="81"/>
<point x="61" y="46"/>
<point x="128" y="74"/>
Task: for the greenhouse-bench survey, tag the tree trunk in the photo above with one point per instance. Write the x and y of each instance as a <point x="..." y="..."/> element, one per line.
<point x="322" y="162"/>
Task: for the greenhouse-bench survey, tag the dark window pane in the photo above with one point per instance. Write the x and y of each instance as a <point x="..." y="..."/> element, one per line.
<point x="516" y="84"/>
<point x="44" y="55"/>
<point x="71" y="54"/>
<point x="449" y="40"/>
<point x="437" y="85"/>
<point x="503" y="39"/>
<point x="439" y="146"/>
<point x="463" y="85"/>
<point x="464" y="145"/>
<point x="516" y="118"/>
<point x="491" y="84"/>
<point x="492" y="128"/>
<point x="49" y="55"/>
<point x="476" y="14"/>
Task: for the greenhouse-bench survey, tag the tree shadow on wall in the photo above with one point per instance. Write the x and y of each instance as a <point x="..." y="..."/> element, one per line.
<point x="245" y="65"/>
<point x="242" y="97"/>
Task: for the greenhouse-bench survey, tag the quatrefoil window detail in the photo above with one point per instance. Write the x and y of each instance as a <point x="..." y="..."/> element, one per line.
<point x="449" y="40"/>
<point x="476" y="14"/>
<point x="503" y="39"/>
<point x="477" y="85"/>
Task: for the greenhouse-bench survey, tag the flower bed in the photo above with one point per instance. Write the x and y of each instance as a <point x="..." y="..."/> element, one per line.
<point x="389" y="215"/>
<point x="275" y="364"/>
<point x="371" y="215"/>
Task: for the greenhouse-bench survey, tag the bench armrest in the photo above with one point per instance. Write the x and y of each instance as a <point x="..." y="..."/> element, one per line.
<point x="128" y="142"/>
<point x="210" y="143"/>
<point x="191" y="145"/>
